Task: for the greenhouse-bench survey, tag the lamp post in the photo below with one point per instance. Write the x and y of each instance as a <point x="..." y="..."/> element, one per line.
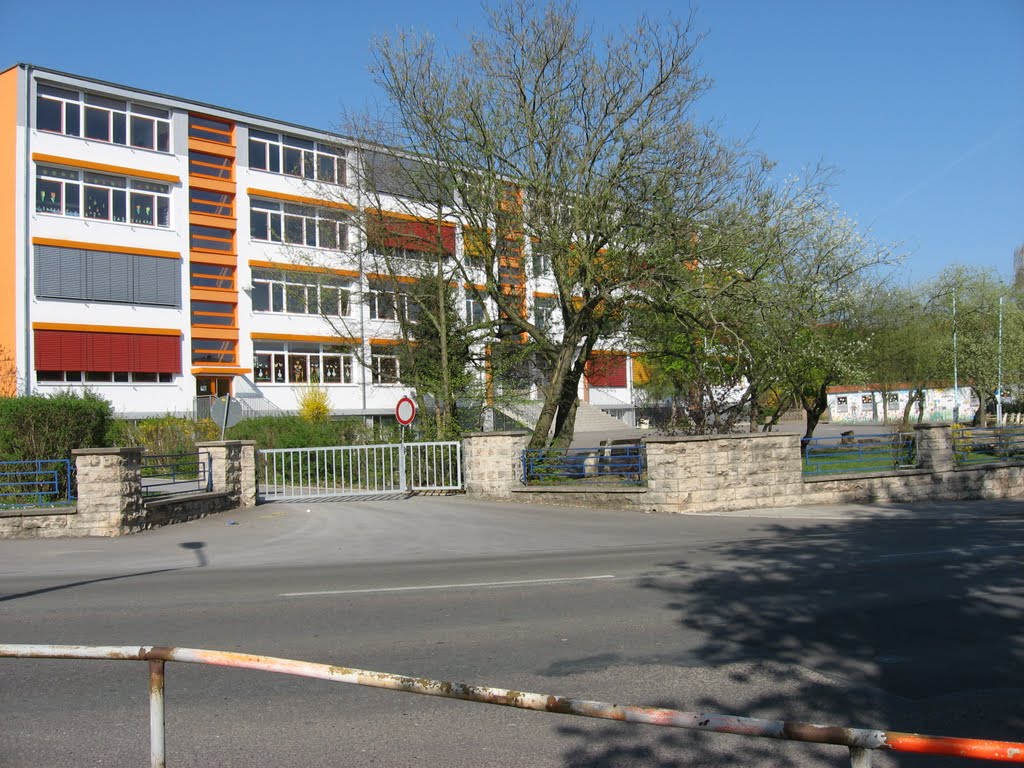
<point x="999" y="367"/>
<point x="956" y="382"/>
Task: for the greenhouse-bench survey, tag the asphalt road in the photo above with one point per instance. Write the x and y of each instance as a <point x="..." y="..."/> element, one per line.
<point x="900" y="618"/>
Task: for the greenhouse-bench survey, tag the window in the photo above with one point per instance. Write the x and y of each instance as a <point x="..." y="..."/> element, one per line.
<point x="297" y="157"/>
<point x="210" y="129"/>
<point x="295" y="362"/>
<point x="215" y="313"/>
<point x="384" y="364"/>
<point x="95" y="275"/>
<point x="213" y="351"/>
<point x="211" y="238"/>
<point x="303" y="293"/>
<point x="544" y="310"/>
<point x="100" y="118"/>
<point x="475" y="311"/>
<point x="388" y="304"/>
<point x="118" y="377"/>
<point x="212" y="276"/>
<point x="209" y="166"/>
<point x="211" y="203"/>
<point x="102" y="196"/>
<point x="297" y="225"/>
<point x="541" y="264"/>
<point x="66" y="355"/>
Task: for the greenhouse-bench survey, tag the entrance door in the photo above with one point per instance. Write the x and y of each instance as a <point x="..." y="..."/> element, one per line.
<point x="217" y="386"/>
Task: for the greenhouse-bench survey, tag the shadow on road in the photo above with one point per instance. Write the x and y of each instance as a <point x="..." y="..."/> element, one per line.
<point x="69" y="585"/>
<point x="901" y="624"/>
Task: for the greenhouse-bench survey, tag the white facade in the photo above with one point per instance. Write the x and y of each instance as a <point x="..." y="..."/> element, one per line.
<point x="170" y="191"/>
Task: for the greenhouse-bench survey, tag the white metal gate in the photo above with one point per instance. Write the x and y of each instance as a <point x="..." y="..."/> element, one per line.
<point x="359" y="470"/>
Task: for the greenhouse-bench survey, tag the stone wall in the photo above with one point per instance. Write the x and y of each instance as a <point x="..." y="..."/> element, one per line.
<point x="749" y="471"/>
<point x="110" y="500"/>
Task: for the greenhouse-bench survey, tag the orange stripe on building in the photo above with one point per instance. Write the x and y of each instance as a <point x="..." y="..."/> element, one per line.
<point x="215" y="334"/>
<point x="258" y="336"/>
<point x="104" y="168"/>
<point x="253" y="192"/>
<point x="105" y="329"/>
<point x="101" y="247"/>
<point x="8" y="217"/>
<point x="301" y="268"/>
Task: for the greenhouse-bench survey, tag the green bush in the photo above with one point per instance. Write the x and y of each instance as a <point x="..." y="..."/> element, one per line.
<point x="296" y="432"/>
<point x="51" y="427"/>
<point x="165" y="435"/>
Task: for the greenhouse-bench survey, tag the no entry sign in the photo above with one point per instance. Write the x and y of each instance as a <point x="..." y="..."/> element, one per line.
<point x="405" y="411"/>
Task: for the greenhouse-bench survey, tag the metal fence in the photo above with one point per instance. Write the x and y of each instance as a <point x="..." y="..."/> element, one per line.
<point x="860" y="742"/>
<point x="176" y="473"/>
<point x="981" y="445"/>
<point x="613" y="463"/>
<point x="41" y="483"/>
<point x="860" y="453"/>
<point x="359" y="470"/>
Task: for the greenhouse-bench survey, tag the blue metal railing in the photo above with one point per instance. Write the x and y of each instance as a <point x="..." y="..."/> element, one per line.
<point x="859" y="453"/>
<point x="40" y="483"/>
<point x="980" y="445"/>
<point x="176" y="473"/>
<point x="606" y="464"/>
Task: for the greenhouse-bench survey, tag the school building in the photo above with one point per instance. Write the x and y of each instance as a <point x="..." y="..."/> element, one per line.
<point x="158" y="250"/>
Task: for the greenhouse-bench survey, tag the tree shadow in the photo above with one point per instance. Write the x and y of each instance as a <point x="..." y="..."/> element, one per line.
<point x="898" y="623"/>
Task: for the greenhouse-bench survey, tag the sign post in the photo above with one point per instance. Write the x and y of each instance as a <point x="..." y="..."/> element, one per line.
<point x="405" y="412"/>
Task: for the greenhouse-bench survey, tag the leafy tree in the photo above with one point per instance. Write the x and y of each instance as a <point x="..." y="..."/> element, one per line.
<point x="558" y="151"/>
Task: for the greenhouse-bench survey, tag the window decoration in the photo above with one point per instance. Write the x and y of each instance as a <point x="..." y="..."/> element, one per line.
<point x="298" y="362"/>
<point x="102" y="196"/>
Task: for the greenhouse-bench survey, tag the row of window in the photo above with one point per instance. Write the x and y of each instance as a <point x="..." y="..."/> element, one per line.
<point x="294" y="362"/>
<point x="98" y="377"/>
<point x="297" y="225"/>
<point x="102" y="196"/>
<point x="100" y="118"/>
<point x="297" y="157"/>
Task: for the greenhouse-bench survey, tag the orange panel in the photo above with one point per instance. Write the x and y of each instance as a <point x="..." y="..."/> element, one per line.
<point x="208" y="257"/>
<point x="257" y="336"/>
<point x="300" y="199"/>
<point x="213" y="294"/>
<point x="214" y="185"/>
<point x="118" y="169"/>
<point x="219" y="334"/>
<point x="301" y="268"/>
<point x="101" y="247"/>
<point x="106" y="329"/>
<point x="8" y="209"/>
<point x="212" y="147"/>
<point x="206" y="220"/>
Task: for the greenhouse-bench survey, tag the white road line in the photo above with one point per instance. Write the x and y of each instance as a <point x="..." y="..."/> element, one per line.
<point x="484" y="584"/>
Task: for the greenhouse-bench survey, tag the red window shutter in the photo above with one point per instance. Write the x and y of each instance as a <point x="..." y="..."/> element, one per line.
<point x="99" y="352"/>
<point x="607" y="371"/>
<point x="73" y="353"/>
<point x="47" y="350"/>
<point x="121" y="351"/>
<point x="168" y="354"/>
<point x="414" y="235"/>
<point x="146" y="358"/>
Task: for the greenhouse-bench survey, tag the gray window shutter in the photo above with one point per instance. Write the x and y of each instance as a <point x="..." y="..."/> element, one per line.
<point x="60" y="273"/>
<point x="110" y="277"/>
<point x="157" y="281"/>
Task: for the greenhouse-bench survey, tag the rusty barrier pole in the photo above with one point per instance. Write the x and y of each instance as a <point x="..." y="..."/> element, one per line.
<point x="858" y="740"/>
<point x="157" y="757"/>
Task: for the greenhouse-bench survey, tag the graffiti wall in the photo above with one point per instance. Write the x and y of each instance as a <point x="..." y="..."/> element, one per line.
<point x="870" y="407"/>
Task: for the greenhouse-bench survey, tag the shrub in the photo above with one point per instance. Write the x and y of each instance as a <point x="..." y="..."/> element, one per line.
<point x="51" y="427"/>
<point x="164" y="435"/>
<point x="314" y="403"/>
<point x="297" y="432"/>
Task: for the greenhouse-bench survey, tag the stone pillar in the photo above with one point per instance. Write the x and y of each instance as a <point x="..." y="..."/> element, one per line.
<point x="232" y="469"/>
<point x="109" y="491"/>
<point x="491" y="463"/>
<point x="935" y="447"/>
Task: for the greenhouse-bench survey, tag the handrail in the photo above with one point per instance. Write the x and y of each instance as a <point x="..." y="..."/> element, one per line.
<point x="859" y="741"/>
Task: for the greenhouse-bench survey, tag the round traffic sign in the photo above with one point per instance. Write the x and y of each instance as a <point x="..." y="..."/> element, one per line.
<point x="405" y="411"/>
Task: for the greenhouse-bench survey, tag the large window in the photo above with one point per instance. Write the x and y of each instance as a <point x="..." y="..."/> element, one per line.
<point x="384" y="364"/>
<point x="102" y="196"/>
<point x="545" y="309"/>
<point x="386" y="303"/>
<point x="298" y="362"/>
<point x="96" y="275"/>
<point x="218" y="351"/>
<point x="301" y="293"/>
<point x="474" y="310"/>
<point x="85" y="356"/>
<point x="212" y="276"/>
<point x="297" y="225"/>
<point x="297" y="157"/>
<point x="99" y="118"/>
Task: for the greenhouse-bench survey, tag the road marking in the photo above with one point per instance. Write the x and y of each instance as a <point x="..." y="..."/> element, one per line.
<point x="485" y="584"/>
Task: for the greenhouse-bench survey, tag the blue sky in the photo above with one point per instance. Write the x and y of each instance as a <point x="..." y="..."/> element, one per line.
<point x="919" y="103"/>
